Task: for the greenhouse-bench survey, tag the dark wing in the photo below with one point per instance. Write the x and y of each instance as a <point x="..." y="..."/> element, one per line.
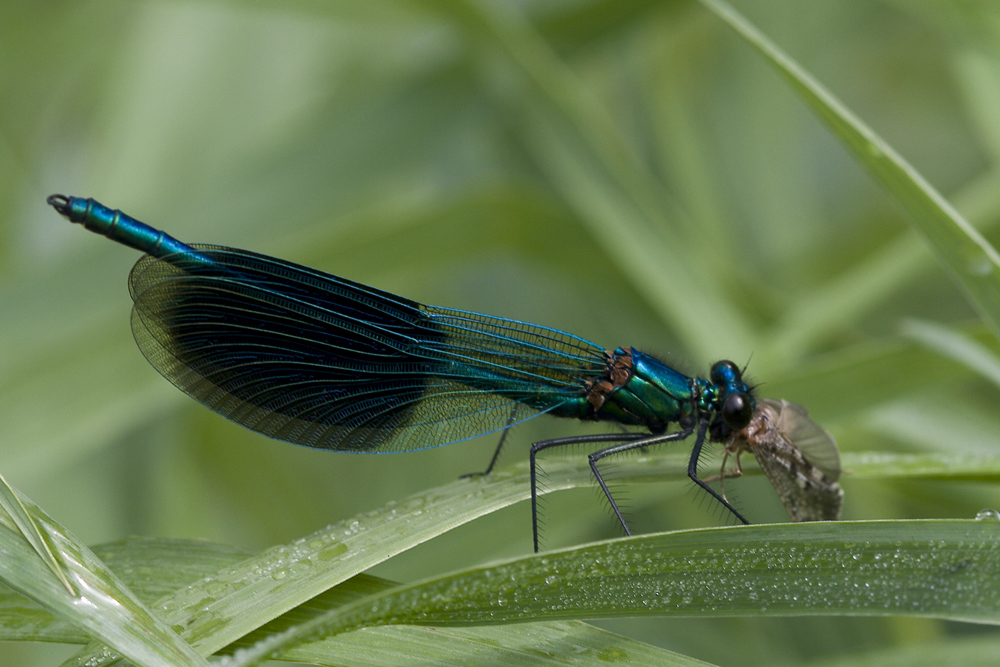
<point x="320" y="361"/>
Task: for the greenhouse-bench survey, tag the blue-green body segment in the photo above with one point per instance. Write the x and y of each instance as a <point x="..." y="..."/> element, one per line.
<point x="120" y="227"/>
<point x="653" y="396"/>
<point x="321" y="361"/>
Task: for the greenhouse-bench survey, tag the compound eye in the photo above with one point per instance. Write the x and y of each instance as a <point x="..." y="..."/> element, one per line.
<point x="725" y="372"/>
<point x="737" y="411"/>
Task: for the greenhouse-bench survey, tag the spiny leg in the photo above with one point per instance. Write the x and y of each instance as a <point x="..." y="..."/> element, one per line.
<point x="625" y="447"/>
<point x="561" y="442"/>
<point x="693" y="473"/>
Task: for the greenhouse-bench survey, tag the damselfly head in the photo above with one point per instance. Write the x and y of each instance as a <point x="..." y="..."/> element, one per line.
<point x="737" y="404"/>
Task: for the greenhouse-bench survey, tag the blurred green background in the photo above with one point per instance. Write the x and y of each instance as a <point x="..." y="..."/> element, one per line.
<point x="629" y="171"/>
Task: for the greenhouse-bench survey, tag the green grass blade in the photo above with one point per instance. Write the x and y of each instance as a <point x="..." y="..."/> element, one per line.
<point x="39" y="539"/>
<point x="939" y="569"/>
<point x="216" y="613"/>
<point x="535" y="644"/>
<point x="87" y="594"/>
<point x="660" y="466"/>
<point x="894" y="465"/>
<point x="968" y="257"/>
<point x="221" y="611"/>
<point x="152" y="566"/>
<point x="543" y="643"/>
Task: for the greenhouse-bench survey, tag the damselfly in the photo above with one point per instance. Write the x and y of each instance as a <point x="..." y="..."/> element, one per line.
<point x="321" y="361"/>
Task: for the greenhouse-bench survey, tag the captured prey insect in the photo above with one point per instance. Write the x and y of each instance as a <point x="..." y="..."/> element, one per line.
<point x="321" y="361"/>
<point x="799" y="457"/>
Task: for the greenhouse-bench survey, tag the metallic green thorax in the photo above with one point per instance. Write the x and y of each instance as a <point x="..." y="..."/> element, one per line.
<point x="640" y="390"/>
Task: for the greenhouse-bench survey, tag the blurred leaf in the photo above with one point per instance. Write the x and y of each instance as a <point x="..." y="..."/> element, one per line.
<point x="968" y="257"/>
<point x="972" y="22"/>
<point x="829" y="309"/>
<point x="978" y="358"/>
<point x="958" y="652"/>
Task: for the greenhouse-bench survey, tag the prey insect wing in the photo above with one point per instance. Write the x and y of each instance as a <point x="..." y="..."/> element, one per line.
<point x="799" y="457"/>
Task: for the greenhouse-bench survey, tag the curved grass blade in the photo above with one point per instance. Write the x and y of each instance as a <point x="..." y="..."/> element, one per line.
<point x="938" y="569"/>
<point x="542" y="644"/>
<point x="39" y="539"/>
<point x="152" y="567"/>
<point x="299" y="571"/>
<point x="99" y="603"/>
<point x="238" y="599"/>
<point x="965" y="254"/>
